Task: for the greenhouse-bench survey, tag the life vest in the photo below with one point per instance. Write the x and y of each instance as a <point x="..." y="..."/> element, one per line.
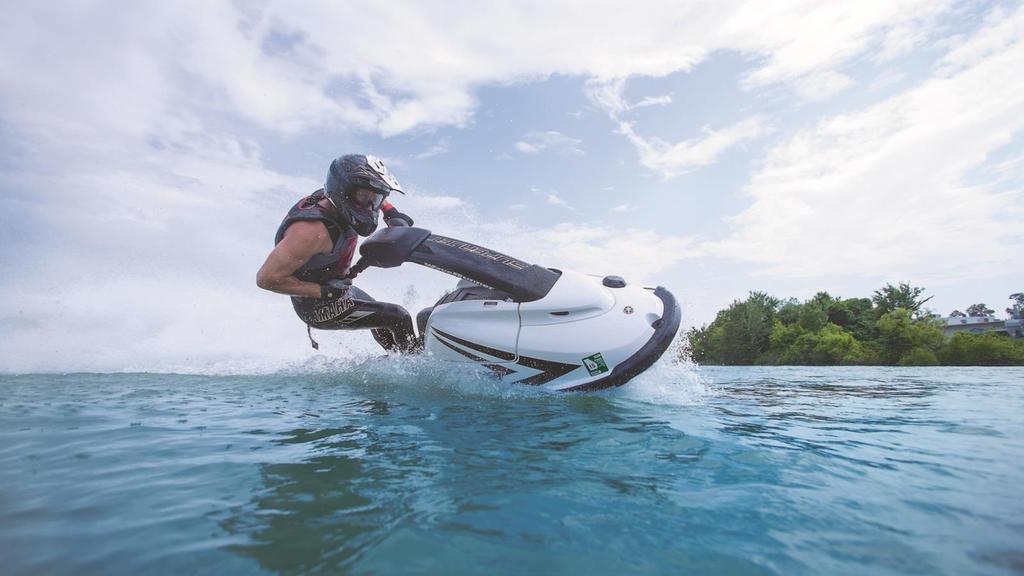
<point x="322" y="267"/>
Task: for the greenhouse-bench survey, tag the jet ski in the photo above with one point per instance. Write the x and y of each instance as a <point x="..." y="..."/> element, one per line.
<point x="556" y="329"/>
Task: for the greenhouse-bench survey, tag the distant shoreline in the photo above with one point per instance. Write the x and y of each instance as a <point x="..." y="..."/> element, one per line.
<point x="892" y="328"/>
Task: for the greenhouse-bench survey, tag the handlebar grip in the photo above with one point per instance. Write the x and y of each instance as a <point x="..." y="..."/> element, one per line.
<point x="359" y="266"/>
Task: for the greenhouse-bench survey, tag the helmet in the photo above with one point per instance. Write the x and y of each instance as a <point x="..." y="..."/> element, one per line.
<point x="353" y="172"/>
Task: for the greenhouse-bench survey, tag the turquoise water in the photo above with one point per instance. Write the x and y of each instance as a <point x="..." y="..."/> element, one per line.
<point x="388" y="466"/>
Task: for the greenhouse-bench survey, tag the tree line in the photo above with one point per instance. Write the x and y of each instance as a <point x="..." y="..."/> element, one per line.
<point x="893" y="327"/>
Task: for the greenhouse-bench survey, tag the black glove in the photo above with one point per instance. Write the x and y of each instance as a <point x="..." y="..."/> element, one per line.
<point x="395" y="218"/>
<point x="334" y="289"/>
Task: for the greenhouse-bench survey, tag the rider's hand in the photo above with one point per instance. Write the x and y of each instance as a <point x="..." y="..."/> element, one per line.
<point x="334" y="289"/>
<point x="395" y="218"/>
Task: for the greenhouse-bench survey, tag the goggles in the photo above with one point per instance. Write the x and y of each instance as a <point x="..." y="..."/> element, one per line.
<point x="364" y="195"/>
<point x="377" y="199"/>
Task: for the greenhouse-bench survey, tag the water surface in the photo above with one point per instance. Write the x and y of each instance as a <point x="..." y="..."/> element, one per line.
<point x="389" y="466"/>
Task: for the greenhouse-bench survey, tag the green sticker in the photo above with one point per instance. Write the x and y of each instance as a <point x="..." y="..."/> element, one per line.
<point x="595" y="364"/>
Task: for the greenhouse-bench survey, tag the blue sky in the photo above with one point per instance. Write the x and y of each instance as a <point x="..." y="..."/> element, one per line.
<point x="148" y="153"/>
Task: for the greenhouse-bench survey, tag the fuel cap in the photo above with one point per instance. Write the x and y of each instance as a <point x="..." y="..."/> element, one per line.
<point x="614" y="282"/>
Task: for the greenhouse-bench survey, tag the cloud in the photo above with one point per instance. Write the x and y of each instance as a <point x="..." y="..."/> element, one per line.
<point x="638" y="255"/>
<point x="555" y="200"/>
<point x="681" y="157"/>
<point x="145" y="261"/>
<point x="901" y="187"/>
<point x="830" y="35"/>
<point x="290" y="70"/>
<point x="652" y="101"/>
<point x="421" y="200"/>
<point x="821" y="85"/>
<point x="609" y="94"/>
<point x="556" y="142"/>
<point x="624" y="208"/>
<point x="1002" y="31"/>
<point x="886" y="79"/>
<point x="440" y="147"/>
<point x="671" y="159"/>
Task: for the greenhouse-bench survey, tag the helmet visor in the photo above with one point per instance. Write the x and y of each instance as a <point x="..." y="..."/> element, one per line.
<point x="381" y="171"/>
<point x="367" y="198"/>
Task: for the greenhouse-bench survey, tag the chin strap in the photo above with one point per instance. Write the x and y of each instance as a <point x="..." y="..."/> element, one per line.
<point x="313" y="343"/>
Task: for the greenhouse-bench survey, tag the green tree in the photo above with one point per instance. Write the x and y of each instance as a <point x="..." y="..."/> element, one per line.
<point x="889" y="298"/>
<point x="748" y="328"/>
<point x="988" y="349"/>
<point x="899" y="335"/>
<point x="823" y="300"/>
<point x="781" y="340"/>
<point x="698" y="340"/>
<point x="855" y="315"/>
<point x="739" y="334"/>
<point x="812" y="317"/>
<point x="1017" y="308"/>
<point x="979" y="310"/>
<point x="789" y="311"/>
<point x="829" y="346"/>
<point x="824" y="330"/>
<point x="837" y="346"/>
<point x="957" y="314"/>
<point x="919" y="357"/>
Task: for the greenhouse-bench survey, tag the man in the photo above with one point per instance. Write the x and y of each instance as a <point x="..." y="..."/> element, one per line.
<point x="316" y="242"/>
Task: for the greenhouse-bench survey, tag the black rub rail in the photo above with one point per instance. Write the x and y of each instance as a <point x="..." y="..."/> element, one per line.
<point x="665" y="330"/>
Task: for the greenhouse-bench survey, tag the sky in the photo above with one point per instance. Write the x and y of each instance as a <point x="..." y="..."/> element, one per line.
<point x="148" y="153"/>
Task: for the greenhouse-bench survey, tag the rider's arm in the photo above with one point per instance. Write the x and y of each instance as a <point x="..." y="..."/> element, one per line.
<point x="301" y="241"/>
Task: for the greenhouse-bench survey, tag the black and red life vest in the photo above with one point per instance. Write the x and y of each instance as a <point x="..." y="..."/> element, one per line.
<point x="322" y="267"/>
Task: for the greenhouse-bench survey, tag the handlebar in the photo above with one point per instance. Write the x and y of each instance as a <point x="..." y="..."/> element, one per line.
<point x="359" y="266"/>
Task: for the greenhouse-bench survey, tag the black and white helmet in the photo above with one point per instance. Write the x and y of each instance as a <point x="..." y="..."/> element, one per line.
<point x="358" y="171"/>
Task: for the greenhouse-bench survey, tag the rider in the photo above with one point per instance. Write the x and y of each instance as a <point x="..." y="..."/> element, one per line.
<point x="315" y="244"/>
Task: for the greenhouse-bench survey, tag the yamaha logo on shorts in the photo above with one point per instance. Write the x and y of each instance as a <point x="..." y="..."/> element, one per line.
<point x="332" y="310"/>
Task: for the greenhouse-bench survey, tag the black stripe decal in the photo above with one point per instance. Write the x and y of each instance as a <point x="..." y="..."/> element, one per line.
<point x="478" y="347"/>
<point x="549" y="369"/>
<point x="500" y="371"/>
